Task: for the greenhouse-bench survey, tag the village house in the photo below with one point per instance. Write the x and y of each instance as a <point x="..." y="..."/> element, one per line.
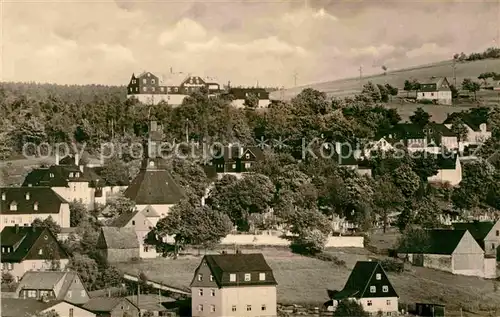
<point x="436" y="89"/>
<point x="22" y="205"/>
<point x="454" y="251"/>
<point x="137" y="220"/>
<point x="486" y="233"/>
<point x="478" y="129"/>
<point x="17" y="307"/>
<point x="449" y="170"/>
<point x="235" y="159"/>
<point x="55" y="285"/>
<point x="118" y="244"/>
<point x="233" y="285"/>
<point x="27" y="249"/>
<point x="111" y="307"/>
<point x="173" y="89"/>
<point x="239" y="96"/>
<point x="154" y="186"/>
<point x="369" y="285"/>
<point x="72" y="180"/>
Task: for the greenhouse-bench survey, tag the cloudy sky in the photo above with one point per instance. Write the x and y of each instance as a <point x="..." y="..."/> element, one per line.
<point x="104" y="42"/>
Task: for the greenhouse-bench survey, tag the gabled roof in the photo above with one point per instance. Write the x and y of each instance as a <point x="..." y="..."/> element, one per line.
<point x="447" y="162"/>
<point x="472" y="121"/>
<point x="22" y="239"/>
<point x="120" y="238"/>
<point x="154" y="187"/>
<point x="232" y="153"/>
<point x="435" y="84"/>
<point x="358" y="283"/>
<point x="149" y="211"/>
<point x="47" y="280"/>
<point x="478" y="229"/>
<point x="123" y="219"/>
<point x="105" y="304"/>
<point x="47" y="200"/>
<point x="222" y="265"/>
<point x="440" y="241"/>
<point x="19" y="307"/>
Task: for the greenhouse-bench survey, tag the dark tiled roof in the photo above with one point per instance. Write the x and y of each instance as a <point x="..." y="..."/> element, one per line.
<point x="472" y="121"/>
<point x="59" y="176"/>
<point x="120" y="238"/>
<point x="123" y="219"/>
<point x="22" y="240"/>
<point x="105" y="304"/>
<point x="48" y="201"/>
<point x="18" y="307"/>
<point x="154" y="187"/>
<point x="447" y="162"/>
<point x="47" y="281"/>
<point x="224" y="264"/>
<point x="478" y="229"/>
<point x="434" y="84"/>
<point x="440" y="241"/>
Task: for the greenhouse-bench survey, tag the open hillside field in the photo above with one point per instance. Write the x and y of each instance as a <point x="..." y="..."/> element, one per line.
<point x="351" y="86"/>
<point x="12" y="172"/>
<point x="304" y="280"/>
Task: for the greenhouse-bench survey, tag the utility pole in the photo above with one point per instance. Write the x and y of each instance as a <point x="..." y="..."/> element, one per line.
<point x="361" y="77"/>
<point x="454" y="66"/>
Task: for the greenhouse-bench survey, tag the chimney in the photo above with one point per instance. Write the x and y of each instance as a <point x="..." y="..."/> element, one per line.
<point x="17" y="228"/>
<point x="77" y="159"/>
<point x="57" y="158"/>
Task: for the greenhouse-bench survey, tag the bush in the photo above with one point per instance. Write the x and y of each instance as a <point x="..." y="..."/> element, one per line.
<point x="426" y="101"/>
<point x="327" y="257"/>
<point x="391" y="265"/>
<point x="310" y="242"/>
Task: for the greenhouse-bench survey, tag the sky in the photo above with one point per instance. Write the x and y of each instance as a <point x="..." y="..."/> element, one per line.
<point x="245" y="42"/>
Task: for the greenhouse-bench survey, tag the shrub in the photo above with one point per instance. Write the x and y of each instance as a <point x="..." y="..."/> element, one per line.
<point x="327" y="257"/>
<point x="310" y="242"/>
<point x="391" y="265"/>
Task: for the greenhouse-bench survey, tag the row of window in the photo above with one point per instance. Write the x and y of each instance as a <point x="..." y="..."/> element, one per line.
<point x="13" y="206"/>
<point x="77" y="174"/>
<point x="373" y="289"/>
<point x="370" y="303"/>
<point x="232" y="278"/>
<point x="247" y="165"/>
<point x="263" y="307"/>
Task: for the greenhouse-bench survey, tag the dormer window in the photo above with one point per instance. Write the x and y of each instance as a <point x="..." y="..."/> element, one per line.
<point x="77" y="175"/>
<point x="51" y="175"/>
<point x="232" y="277"/>
<point x="200" y="277"/>
<point x="4" y="196"/>
<point x="378" y="276"/>
<point x="35" y="206"/>
<point x="71" y="174"/>
<point x="248" y="277"/>
<point x="27" y="195"/>
<point x="13" y="206"/>
<point x="262" y="276"/>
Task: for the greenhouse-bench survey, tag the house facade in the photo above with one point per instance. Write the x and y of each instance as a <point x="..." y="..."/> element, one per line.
<point x="369" y="285"/>
<point x="51" y="286"/>
<point x="118" y="244"/>
<point x="22" y="205"/>
<point x="454" y="251"/>
<point x="235" y="159"/>
<point x="449" y="170"/>
<point x="111" y="307"/>
<point x="150" y="89"/>
<point x="239" y="96"/>
<point x="486" y="234"/>
<point x="26" y="249"/>
<point x="478" y="130"/>
<point x="233" y="285"/>
<point x="16" y="307"/>
<point x="436" y="89"/>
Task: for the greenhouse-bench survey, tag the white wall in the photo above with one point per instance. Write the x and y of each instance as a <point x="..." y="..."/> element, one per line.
<point x="61" y="218"/>
<point x="454" y="177"/>
<point x="248" y="239"/>
<point x="32" y="265"/>
<point x="162" y="210"/>
<point x="255" y="296"/>
<point x="384" y="304"/>
<point x="63" y="309"/>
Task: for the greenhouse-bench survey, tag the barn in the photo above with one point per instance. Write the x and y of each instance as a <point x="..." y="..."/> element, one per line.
<point x="454" y="251"/>
<point x="118" y="244"/>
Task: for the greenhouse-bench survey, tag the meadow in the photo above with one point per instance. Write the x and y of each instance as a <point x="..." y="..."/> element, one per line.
<point x="305" y="280"/>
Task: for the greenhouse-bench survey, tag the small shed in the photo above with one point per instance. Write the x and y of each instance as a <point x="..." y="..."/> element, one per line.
<point x="118" y="244"/>
<point x="429" y="310"/>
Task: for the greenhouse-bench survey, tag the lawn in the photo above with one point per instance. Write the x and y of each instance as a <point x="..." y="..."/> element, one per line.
<point x="304" y="280"/>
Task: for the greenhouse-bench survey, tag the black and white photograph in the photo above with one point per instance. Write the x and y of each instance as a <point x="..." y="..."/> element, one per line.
<point x="250" y="158"/>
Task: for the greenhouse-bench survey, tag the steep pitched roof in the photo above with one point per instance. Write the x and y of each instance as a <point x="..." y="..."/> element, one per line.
<point x="447" y="162"/>
<point x="472" y="121"/>
<point x="154" y="187"/>
<point x="435" y="84"/>
<point x="149" y="211"/>
<point x="60" y="175"/>
<point x="478" y="229"/>
<point x="222" y="265"/>
<point x="359" y="281"/>
<point x="22" y="239"/>
<point x="440" y="241"/>
<point x="46" y="200"/>
<point x="120" y="238"/>
<point x="124" y="219"/>
<point x="47" y="281"/>
<point x="105" y="304"/>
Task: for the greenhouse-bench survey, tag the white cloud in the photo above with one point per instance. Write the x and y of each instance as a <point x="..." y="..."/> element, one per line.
<point x="115" y="52"/>
<point x="427" y="49"/>
<point x="184" y="30"/>
<point x="375" y="51"/>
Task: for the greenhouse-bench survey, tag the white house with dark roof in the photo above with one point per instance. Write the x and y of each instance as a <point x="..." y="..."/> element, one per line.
<point x="437" y="89"/>
<point x="112" y="306"/>
<point x="449" y="170"/>
<point x="236" y="285"/>
<point x="17" y="307"/>
<point x="369" y="285"/>
<point x="53" y="285"/>
<point x="478" y="130"/>
<point x="26" y="249"/>
<point x="22" y="205"/>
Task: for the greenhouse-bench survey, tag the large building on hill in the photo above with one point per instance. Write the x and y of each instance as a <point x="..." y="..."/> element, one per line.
<point x="436" y="89"/>
<point x="151" y="89"/>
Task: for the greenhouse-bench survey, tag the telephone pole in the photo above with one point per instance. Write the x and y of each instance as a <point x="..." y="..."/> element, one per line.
<point x="454" y="66"/>
<point x="361" y="77"/>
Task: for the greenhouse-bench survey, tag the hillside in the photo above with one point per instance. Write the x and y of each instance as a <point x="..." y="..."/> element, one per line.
<point x="351" y="86"/>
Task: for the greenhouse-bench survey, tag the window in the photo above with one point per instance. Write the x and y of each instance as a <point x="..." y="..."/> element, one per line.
<point x="432" y="94"/>
<point x="248" y="165"/>
<point x="32" y="294"/>
<point x="40" y="252"/>
<point x="13" y="206"/>
<point x="369" y="302"/>
<point x="200" y="307"/>
<point x="248" y="277"/>
<point x="233" y="308"/>
<point x="27" y="196"/>
<point x="262" y="276"/>
<point x="423" y="94"/>
<point x="3" y="198"/>
<point x="498" y="233"/>
<point x="69" y="294"/>
<point x="385" y="288"/>
<point x="234" y="166"/>
<point x="51" y="175"/>
<point x="388" y="302"/>
<point x="144" y="88"/>
<point x="211" y="278"/>
<point x="249" y="307"/>
<point x="133" y="222"/>
<point x="82" y="293"/>
<point x="152" y="88"/>
<point x="212" y="308"/>
<point x="152" y="81"/>
<point x="232" y="277"/>
<point x="378" y="276"/>
<point x="144" y="81"/>
<point x="77" y="175"/>
<point x="247" y="156"/>
<point x="146" y="248"/>
<point x="200" y="291"/>
<point x="212" y="292"/>
<point x="200" y="277"/>
<point x="35" y="206"/>
<point x="71" y="312"/>
<point x="70" y="174"/>
<point x="373" y="289"/>
<point x="263" y="307"/>
<point x="493" y="246"/>
<point x="136" y="88"/>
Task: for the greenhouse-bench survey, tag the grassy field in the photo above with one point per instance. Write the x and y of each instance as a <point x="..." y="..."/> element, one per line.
<point x="304" y="280"/>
